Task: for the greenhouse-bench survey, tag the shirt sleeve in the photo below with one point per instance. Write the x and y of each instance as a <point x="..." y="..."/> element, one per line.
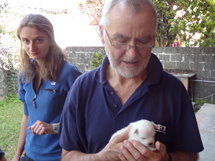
<point x="22" y="97"/>
<point x="1" y="153"/>
<point x="69" y="124"/>
<point x="73" y="74"/>
<point x="187" y="136"/>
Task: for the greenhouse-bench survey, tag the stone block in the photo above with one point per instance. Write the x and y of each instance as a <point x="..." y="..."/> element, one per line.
<point x="209" y="66"/>
<point x="170" y="65"/>
<point x="183" y="65"/>
<point x="164" y="57"/>
<point x="207" y="50"/>
<point x="190" y="57"/>
<point x="177" y="57"/>
<point x="203" y="58"/>
<point x="203" y="75"/>
<point x="213" y="75"/>
<point x="195" y="51"/>
<point x="197" y="66"/>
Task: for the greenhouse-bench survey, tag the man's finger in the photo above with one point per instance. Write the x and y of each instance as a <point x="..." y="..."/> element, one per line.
<point x="160" y="147"/>
<point x="142" y="149"/>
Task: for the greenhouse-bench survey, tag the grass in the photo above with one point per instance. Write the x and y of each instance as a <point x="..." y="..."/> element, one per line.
<point x="11" y="113"/>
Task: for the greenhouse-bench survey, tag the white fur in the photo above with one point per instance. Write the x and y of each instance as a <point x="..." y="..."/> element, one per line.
<point x="142" y="131"/>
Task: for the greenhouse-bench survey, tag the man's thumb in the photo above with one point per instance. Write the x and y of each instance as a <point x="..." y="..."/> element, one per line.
<point x="160" y="147"/>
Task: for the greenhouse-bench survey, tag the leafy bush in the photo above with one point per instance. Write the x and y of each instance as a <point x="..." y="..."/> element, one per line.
<point x="199" y="102"/>
<point x="97" y="58"/>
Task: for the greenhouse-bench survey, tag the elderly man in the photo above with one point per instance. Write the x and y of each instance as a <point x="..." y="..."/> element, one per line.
<point x="129" y="86"/>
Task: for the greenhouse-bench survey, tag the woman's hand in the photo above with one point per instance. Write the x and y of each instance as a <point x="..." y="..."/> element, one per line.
<point x="41" y="128"/>
<point x="15" y="158"/>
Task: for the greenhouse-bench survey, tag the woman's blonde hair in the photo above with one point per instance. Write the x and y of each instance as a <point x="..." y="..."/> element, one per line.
<point x="55" y="57"/>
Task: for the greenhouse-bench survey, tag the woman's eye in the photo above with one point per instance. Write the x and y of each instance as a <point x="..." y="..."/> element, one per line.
<point x="25" y="41"/>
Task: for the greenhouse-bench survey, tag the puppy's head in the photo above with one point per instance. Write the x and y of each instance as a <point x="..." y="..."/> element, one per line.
<point x="144" y="132"/>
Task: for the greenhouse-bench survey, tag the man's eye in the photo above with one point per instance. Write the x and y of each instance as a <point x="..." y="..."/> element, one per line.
<point x="143" y="42"/>
<point x="122" y="41"/>
<point x="39" y="40"/>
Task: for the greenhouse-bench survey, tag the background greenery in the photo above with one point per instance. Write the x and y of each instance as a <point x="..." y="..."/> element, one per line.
<point x="198" y="17"/>
<point x="11" y="113"/>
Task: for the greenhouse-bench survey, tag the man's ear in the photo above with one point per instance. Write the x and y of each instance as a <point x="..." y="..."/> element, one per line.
<point x="101" y="30"/>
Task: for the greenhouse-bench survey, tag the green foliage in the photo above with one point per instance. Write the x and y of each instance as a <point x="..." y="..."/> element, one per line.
<point x="212" y="101"/>
<point x="199" y="102"/>
<point x="97" y="58"/>
<point x="2" y="104"/>
<point x="198" y="16"/>
<point x="10" y="121"/>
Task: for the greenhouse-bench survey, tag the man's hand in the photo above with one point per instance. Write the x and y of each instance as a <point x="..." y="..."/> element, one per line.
<point x="135" y="151"/>
<point x="41" y="128"/>
<point x="112" y="149"/>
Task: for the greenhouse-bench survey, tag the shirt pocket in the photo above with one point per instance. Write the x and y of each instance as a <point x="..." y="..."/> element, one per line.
<point x="52" y="90"/>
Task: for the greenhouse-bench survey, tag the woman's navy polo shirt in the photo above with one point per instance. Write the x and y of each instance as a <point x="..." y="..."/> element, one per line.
<point x="93" y="112"/>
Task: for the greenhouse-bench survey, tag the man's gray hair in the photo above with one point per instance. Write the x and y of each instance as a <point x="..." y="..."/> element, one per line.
<point x="135" y="5"/>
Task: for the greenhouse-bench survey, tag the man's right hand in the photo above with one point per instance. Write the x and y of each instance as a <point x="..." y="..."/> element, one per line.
<point x="112" y="149"/>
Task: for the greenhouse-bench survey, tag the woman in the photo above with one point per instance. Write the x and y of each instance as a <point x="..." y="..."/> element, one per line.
<point x="44" y="81"/>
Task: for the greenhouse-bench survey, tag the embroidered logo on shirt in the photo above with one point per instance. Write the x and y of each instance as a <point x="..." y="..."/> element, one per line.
<point x="161" y="128"/>
<point x="53" y="83"/>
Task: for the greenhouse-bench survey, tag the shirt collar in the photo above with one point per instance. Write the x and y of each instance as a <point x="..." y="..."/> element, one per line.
<point x="154" y="69"/>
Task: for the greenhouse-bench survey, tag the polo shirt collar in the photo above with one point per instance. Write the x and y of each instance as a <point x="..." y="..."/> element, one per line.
<point x="154" y="69"/>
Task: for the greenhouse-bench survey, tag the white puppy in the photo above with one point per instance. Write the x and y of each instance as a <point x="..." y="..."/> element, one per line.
<point x="142" y="131"/>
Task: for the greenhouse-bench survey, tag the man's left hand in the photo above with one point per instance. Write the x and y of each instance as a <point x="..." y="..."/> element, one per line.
<point x="135" y="151"/>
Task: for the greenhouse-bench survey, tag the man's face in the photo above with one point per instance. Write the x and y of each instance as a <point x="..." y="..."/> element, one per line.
<point x="126" y="27"/>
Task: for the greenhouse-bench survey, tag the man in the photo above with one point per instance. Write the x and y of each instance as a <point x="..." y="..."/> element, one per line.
<point x="129" y="86"/>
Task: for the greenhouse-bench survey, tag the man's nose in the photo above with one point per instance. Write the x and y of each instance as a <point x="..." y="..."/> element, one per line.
<point x="133" y="51"/>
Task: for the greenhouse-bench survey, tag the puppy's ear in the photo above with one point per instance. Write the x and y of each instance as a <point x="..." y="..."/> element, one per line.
<point x="134" y="130"/>
<point x="155" y="125"/>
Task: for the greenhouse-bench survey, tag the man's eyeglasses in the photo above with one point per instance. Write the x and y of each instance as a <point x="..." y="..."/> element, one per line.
<point x="127" y="47"/>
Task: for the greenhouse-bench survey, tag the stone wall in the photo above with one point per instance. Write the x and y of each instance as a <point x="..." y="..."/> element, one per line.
<point x="182" y="62"/>
<point x="3" y="84"/>
<point x="179" y="61"/>
<point x="200" y="61"/>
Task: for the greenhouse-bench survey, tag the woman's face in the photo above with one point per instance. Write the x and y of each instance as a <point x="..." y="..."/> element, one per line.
<point x="35" y="43"/>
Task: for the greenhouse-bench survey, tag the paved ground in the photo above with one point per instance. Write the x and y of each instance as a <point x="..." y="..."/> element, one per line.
<point x="206" y="122"/>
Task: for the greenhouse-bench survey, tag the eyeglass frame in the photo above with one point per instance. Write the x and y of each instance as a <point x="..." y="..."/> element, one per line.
<point x="127" y="45"/>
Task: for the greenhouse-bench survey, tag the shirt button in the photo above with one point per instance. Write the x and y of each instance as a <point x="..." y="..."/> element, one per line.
<point x="111" y="93"/>
<point x="115" y="105"/>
